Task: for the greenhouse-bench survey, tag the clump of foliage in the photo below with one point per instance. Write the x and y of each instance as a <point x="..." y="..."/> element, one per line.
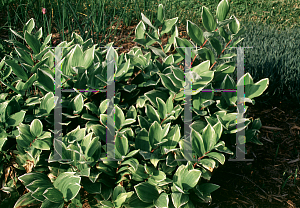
<point x="149" y="104"/>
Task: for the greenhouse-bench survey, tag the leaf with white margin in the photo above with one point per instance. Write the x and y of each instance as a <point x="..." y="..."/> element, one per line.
<point x="68" y="184"/>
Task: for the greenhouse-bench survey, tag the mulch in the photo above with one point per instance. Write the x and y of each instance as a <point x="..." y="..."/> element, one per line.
<point x="259" y="183"/>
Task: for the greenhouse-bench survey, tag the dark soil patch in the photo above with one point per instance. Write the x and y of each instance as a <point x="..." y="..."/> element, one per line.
<point x="259" y="183"/>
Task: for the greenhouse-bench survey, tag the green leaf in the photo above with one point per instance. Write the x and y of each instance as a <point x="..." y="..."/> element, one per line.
<point x="38" y="65"/>
<point x="167" y="82"/>
<point x="40" y="144"/>
<point x="208" y="163"/>
<point x="197" y="143"/>
<point x="206" y="54"/>
<point x="218" y="129"/>
<point x="122" y="198"/>
<point x="46" y="80"/>
<point x="93" y="146"/>
<point x="30" y="81"/>
<point x="169" y="105"/>
<point x="179" y="199"/>
<point x="208" y="188"/>
<point x="28" y="178"/>
<point x="256" y="124"/>
<point x="146" y="192"/>
<point x="3" y="138"/>
<point x="208" y="20"/>
<point x="182" y="43"/>
<point x="224" y="149"/>
<point x="154" y="37"/>
<point x="119" y="117"/>
<point x="169" y="60"/>
<point x="142" y="141"/>
<point x="128" y="121"/>
<point x="177" y="83"/>
<point x="162" y="201"/>
<point x="53" y="195"/>
<point x="76" y="56"/>
<point x="234" y="26"/>
<point x="103" y="106"/>
<point x="107" y="204"/>
<point x="48" y="102"/>
<point x="155" y="134"/>
<point x="224" y="34"/>
<point x="19" y="72"/>
<point x="173" y="138"/>
<point x="158" y="52"/>
<point x="26" y="200"/>
<point x="195" y="33"/>
<point x="90" y="187"/>
<point x="131" y="113"/>
<point x="160" y="14"/>
<point x="147" y="21"/>
<point x="152" y="113"/>
<point x="230" y="97"/>
<point x="46" y="41"/>
<point x="18" y="35"/>
<point x="217" y="156"/>
<point x="190" y="179"/>
<point x="25" y="56"/>
<point x="162" y="108"/>
<point x="29" y="25"/>
<point x="16" y="119"/>
<point x="34" y="43"/>
<point x="92" y="107"/>
<point x="203" y="67"/>
<point x="78" y="39"/>
<point x="222" y="10"/>
<point x="200" y="84"/>
<point x="10" y="86"/>
<point x="89" y="117"/>
<point x="153" y="94"/>
<point x="240" y="32"/>
<point x="209" y="137"/>
<point x="88" y="57"/>
<point x="143" y="122"/>
<point x="140" y="30"/>
<point x="257" y="89"/>
<point x="36" y="128"/>
<point x="47" y="203"/>
<point x="122" y="70"/>
<point x="216" y="45"/>
<point x="117" y="191"/>
<point x="77" y="104"/>
<point x="167" y="25"/>
<point x="68" y="184"/>
<point x="2" y="63"/>
<point x="7" y="72"/>
<point x="121" y="143"/>
<point x="129" y="88"/>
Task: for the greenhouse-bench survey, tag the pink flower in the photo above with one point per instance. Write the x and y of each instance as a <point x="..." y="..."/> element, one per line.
<point x="44" y="10"/>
